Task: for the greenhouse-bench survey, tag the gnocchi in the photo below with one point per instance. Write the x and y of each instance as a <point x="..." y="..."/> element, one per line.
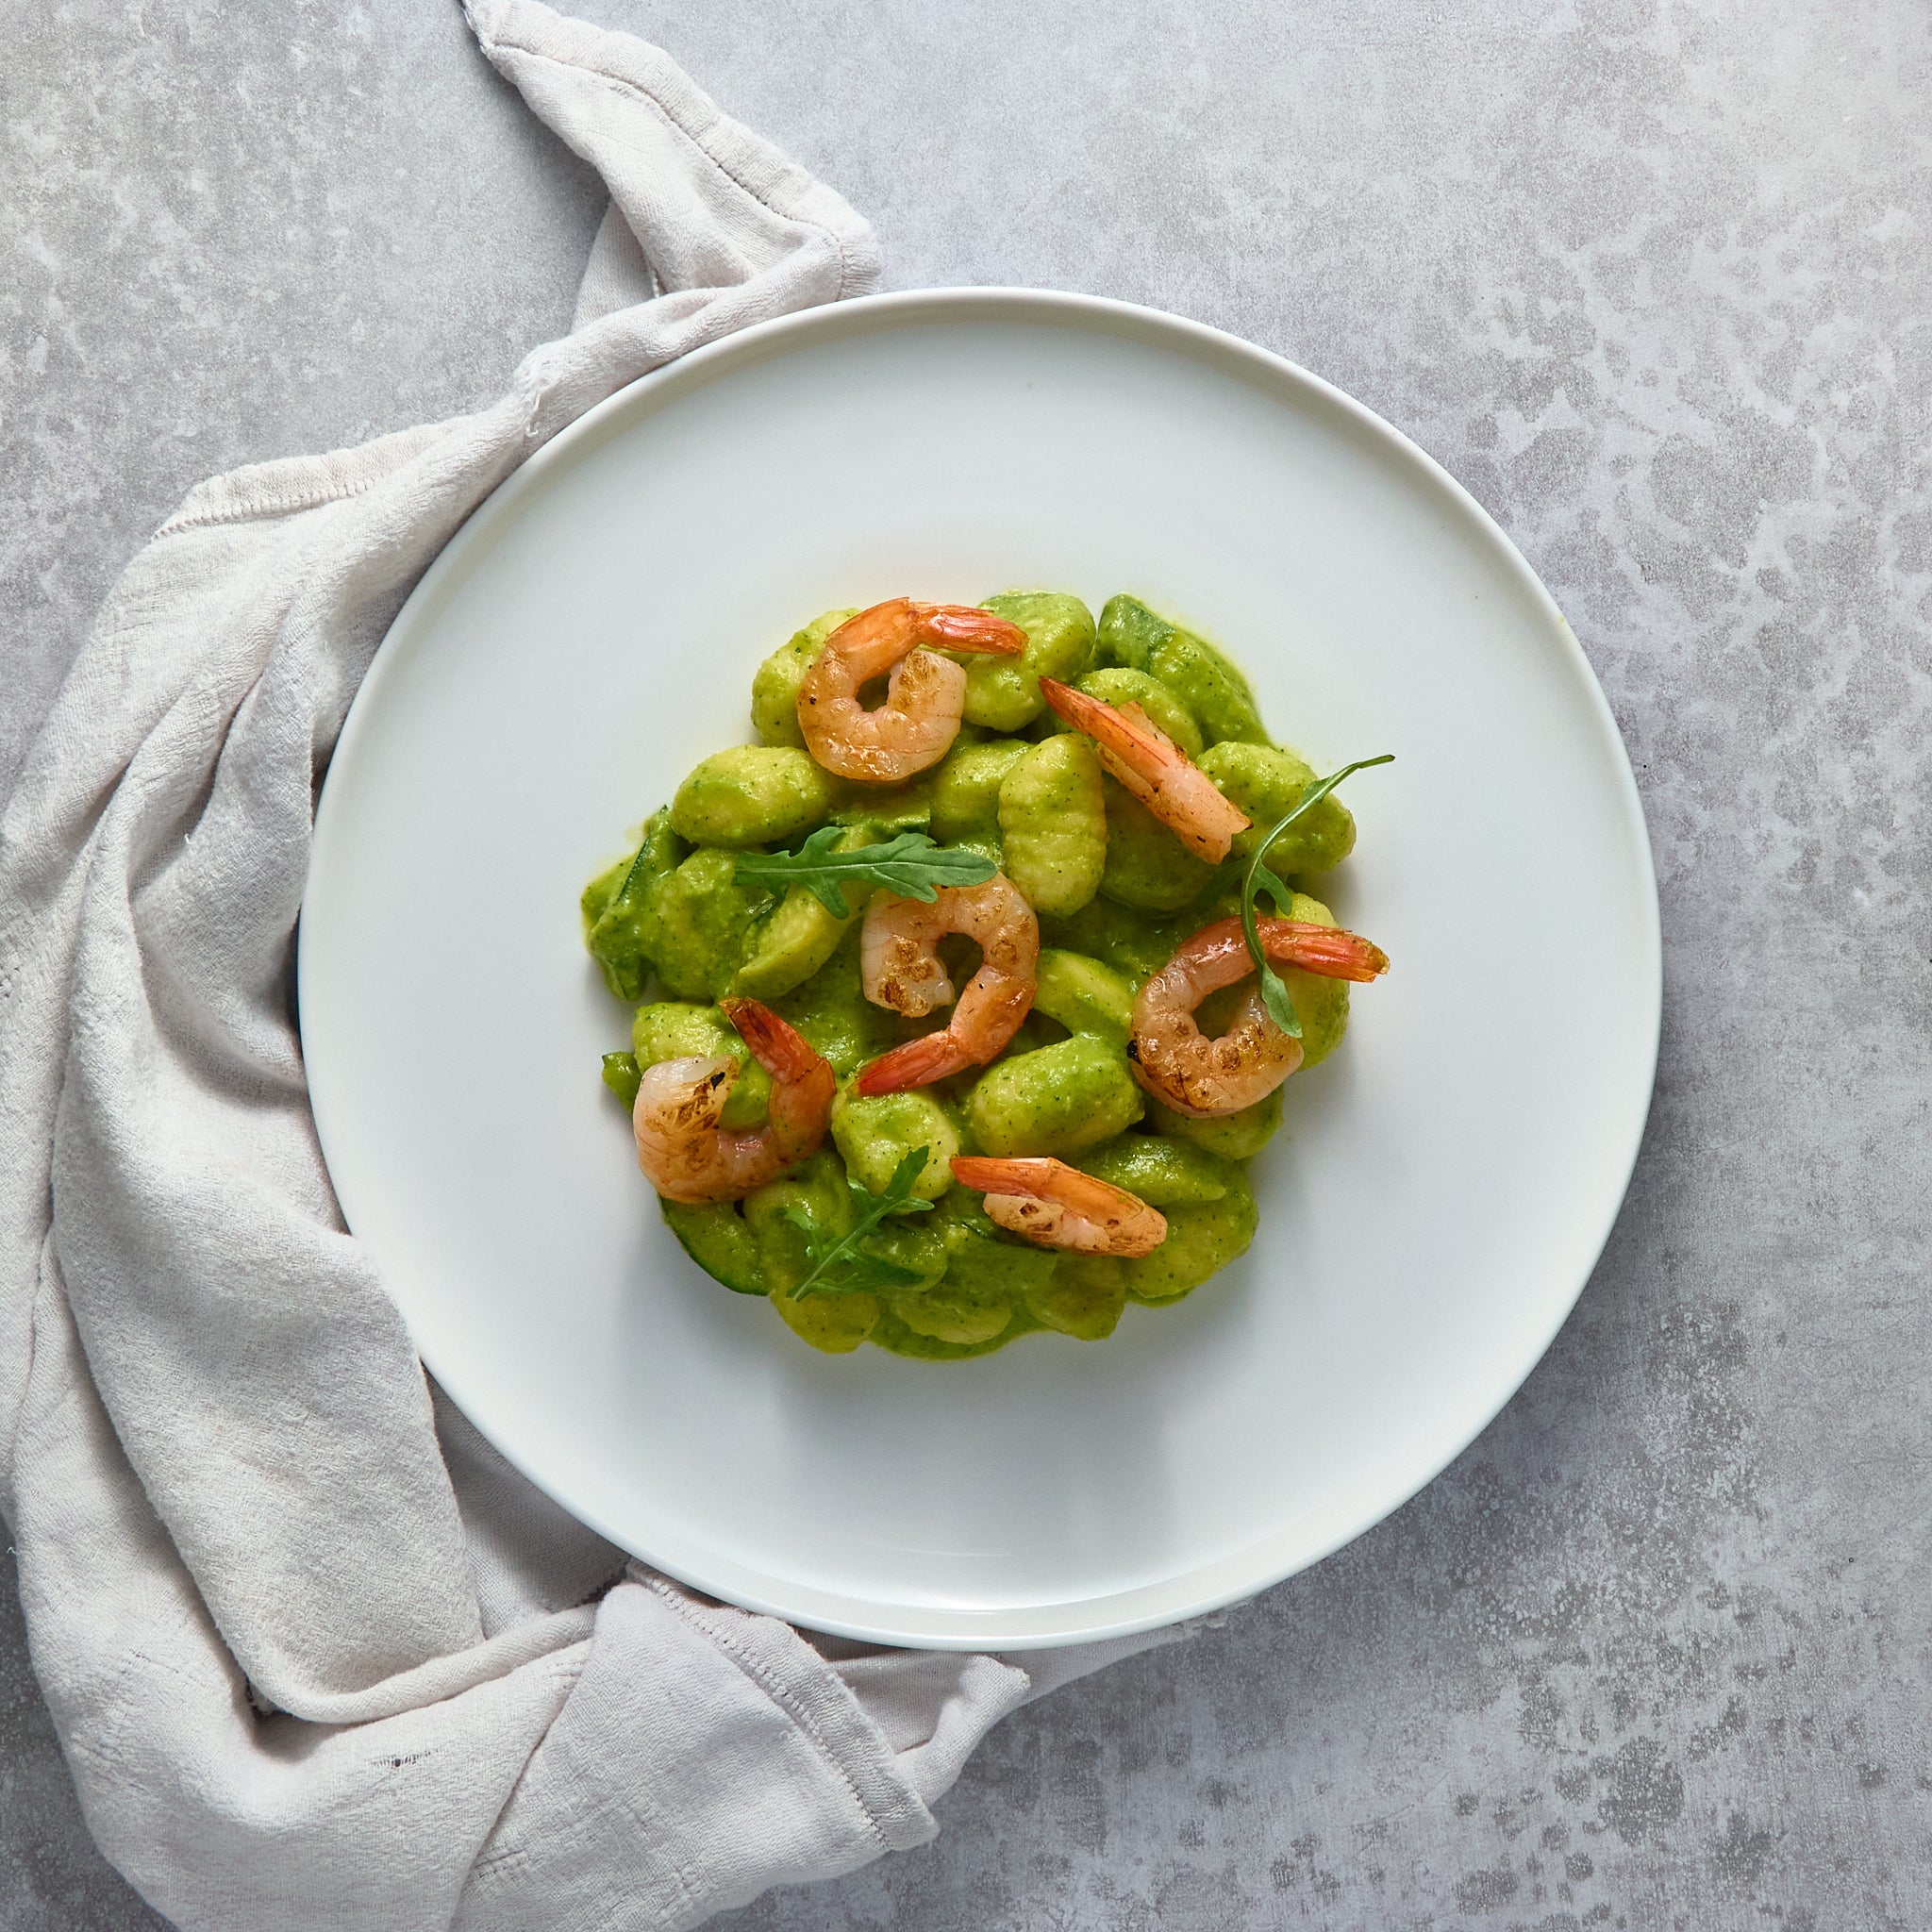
<point x="754" y="900"/>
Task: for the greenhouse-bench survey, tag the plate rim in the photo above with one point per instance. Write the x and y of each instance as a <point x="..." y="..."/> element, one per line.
<point x="1008" y="1627"/>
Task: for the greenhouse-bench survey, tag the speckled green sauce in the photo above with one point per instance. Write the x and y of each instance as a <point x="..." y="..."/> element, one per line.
<point x="673" y="931"/>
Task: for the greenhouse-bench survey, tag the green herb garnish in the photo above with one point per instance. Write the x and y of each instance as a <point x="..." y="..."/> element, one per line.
<point x="910" y="865"/>
<point x="845" y="1268"/>
<point x="1259" y="878"/>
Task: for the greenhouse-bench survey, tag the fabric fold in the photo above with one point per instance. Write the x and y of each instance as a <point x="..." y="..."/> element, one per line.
<point x="311" y="1662"/>
<point x="640" y="125"/>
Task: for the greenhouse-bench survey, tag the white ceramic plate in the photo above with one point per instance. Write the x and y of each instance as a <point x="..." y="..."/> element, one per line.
<point x="1445" y="1183"/>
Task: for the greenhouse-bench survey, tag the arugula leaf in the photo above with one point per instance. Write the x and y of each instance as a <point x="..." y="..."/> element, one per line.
<point x="1268" y="880"/>
<point x="842" y="1267"/>
<point x="910" y="865"/>
<point x="1260" y="879"/>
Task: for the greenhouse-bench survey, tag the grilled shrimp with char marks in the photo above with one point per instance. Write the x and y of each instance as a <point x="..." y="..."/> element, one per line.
<point x="925" y="699"/>
<point x="900" y="967"/>
<point x="1188" y="1071"/>
<point x="1154" y="769"/>
<point x="1057" y="1207"/>
<point x="683" y="1148"/>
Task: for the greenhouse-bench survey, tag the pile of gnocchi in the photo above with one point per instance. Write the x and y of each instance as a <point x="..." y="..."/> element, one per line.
<point x="956" y="1016"/>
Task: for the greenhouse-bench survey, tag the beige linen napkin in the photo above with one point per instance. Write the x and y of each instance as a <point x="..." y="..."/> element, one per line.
<point x="315" y="1662"/>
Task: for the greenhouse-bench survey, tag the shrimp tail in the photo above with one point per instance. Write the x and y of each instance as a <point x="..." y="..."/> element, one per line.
<point x="966" y="627"/>
<point x="1103" y="723"/>
<point x="985" y="1174"/>
<point x="803" y="1082"/>
<point x="917" y="1063"/>
<point x="1327" y="950"/>
<point x="779" y="1048"/>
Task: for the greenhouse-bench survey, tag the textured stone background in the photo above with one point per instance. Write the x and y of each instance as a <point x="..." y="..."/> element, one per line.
<point x="1654" y="280"/>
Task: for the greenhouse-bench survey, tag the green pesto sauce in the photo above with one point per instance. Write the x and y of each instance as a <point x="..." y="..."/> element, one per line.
<point x="673" y="931"/>
<point x="897" y="1339"/>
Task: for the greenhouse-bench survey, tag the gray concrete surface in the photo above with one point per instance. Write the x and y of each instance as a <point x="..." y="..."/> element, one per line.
<point x="1653" y="279"/>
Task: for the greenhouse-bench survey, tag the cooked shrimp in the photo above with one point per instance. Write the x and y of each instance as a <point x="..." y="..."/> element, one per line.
<point x="1180" y="1065"/>
<point x="901" y="968"/>
<point x="1154" y="769"/>
<point x="917" y="724"/>
<point x="1059" y="1207"/>
<point x="684" y="1151"/>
